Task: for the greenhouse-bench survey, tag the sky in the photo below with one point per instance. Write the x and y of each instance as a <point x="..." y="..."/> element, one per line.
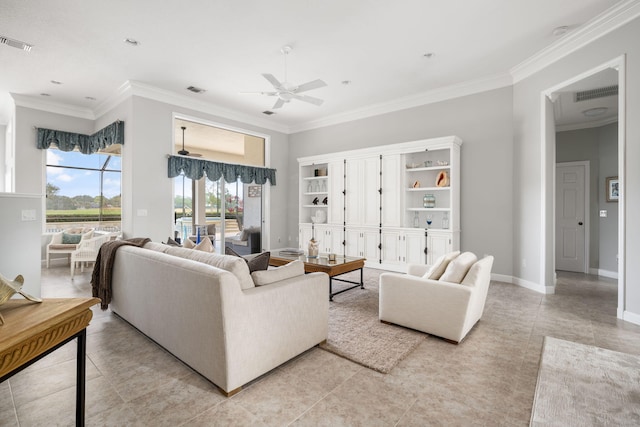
<point x="73" y="182"/>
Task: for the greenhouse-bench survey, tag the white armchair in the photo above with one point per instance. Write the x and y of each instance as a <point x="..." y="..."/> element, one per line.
<point x="58" y="246"/>
<point x="448" y="310"/>
<point x="87" y="251"/>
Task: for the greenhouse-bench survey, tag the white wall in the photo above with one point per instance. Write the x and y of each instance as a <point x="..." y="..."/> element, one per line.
<point x="528" y="149"/>
<point x="3" y="143"/>
<point x="483" y="121"/>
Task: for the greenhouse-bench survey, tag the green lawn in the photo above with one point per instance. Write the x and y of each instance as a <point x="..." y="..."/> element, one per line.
<point x="78" y="215"/>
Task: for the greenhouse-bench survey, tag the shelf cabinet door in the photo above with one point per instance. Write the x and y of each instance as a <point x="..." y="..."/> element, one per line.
<point x="371" y="240"/>
<point x="304" y="235"/>
<point x="353" y="180"/>
<point x="392" y="190"/>
<point x="391" y="247"/>
<point x="415" y="245"/>
<point x="335" y="214"/>
<point x="438" y="244"/>
<point x="352" y="242"/>
<point x="370" y="192"/>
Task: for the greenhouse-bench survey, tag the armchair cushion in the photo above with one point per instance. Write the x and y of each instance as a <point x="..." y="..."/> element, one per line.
<point x="458" y="267"/>
<point x="71" y="238"/>
<point x="205" y="245"/>
<point x="287" y="271"/>
<point x="440" y="265"/>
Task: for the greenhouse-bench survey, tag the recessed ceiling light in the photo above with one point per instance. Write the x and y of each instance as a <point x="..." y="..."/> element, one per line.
<point x="55" y="82"/>
<point x="268" y="113"/>
<point x="132" y="42"/>
<point x="428" y="55"/>
<point x="346" y="82"/>
<point x="45" y="94"/>
<point x="559" y="31"/>
<point x="593" y="112"/>
<point x="90" y="98"/>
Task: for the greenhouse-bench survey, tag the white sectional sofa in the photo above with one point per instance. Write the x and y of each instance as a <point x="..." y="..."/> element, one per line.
<point x="205" y="310"/>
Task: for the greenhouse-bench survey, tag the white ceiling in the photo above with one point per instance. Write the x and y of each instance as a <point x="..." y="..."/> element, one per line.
<point x="224" y="46"/>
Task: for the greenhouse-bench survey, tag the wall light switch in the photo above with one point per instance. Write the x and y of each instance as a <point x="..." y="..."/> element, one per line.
<point x="28" y="214"/>
<point x="603" y="214"/>
<point x="142" y="212"/>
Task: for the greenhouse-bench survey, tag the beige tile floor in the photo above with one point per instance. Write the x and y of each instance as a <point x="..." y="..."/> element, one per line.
<point x="487" y="380"/>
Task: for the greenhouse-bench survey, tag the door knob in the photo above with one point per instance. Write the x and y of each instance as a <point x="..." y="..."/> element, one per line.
<point x="580" y="223"/>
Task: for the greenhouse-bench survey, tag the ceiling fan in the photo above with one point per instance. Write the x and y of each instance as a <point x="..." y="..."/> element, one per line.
<point x="184" y="152"/>
<point x="286" y="91"/>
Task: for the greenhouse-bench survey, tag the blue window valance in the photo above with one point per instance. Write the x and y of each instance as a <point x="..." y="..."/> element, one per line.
<point x="197" y="168"/>
<point x="87" y="144"/>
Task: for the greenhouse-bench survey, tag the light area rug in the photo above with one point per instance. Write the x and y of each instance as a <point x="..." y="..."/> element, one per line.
<point x="356" y="333"/>
<point x="582" y="385"/>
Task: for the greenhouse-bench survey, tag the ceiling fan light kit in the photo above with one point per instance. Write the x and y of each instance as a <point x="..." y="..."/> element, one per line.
<point x="286" y="91"/>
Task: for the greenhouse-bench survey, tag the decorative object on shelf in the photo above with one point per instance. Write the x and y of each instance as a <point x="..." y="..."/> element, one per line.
<point x="323" y="186"/>
<point x="416" y="184"/>
<point x="314" y="187"/>
<point x="428" y="164"/>
<point x="443" y="179"/>
<point x="309" y="187"/>
<point x="315" y="201"/>
<point x="429" y="220"/>
<point x="313" y="244"/>
<point x="442" y="163"/>
<point x="320" y="216"/>
<point x="412" y="165"/>
<point x="416" y="220"/>
<point x="10" y="287"/>
<point x="429" y="201"/>
<point x="325" y="200"/>
<point x="445" y="221"/>
<point x="322" y="172"/>
<point x="316" y="172"/>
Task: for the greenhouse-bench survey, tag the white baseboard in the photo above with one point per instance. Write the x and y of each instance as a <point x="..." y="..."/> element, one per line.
<point x="604" y="273"/>
<point x="631" y="317"/>
<point x="523" y="283"/>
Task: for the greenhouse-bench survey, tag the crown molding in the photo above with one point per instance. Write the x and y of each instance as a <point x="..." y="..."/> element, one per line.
<point x="608" y="21"/>
<point x="124" y="92"/>
<point x="437" y="95"/>
<point x="135" y="88"/>
<point x="52" y="106"/>
<point x="587" y="125"/>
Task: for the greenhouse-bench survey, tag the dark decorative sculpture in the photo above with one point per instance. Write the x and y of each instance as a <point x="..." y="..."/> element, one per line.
<point x="315" y="201"/>
<point x="325" y="201"/>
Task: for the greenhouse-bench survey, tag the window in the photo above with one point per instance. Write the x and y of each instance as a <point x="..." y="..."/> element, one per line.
<point x="83" y="190"/>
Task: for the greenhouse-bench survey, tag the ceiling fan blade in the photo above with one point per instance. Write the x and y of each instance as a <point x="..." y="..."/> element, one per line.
<point x="276" y="84"/>
<point x="316" y="84"/>
<point x="279" y="103"/>
<point x="307" y="98"/>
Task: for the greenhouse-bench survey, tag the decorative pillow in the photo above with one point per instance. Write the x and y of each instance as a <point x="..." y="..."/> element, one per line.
<point x="244" y="234"/>
<point x="205" y="245"/>
<point x="188" y="243"/>
<point x="257" y="263"/>
<point x="172" y="242"/>
<point x="458" y="268"/>
<point x="477" y="270"/>
<point x="293" y="269"/>
<point x="71" y="239"/>
<point x="440" y="265"/>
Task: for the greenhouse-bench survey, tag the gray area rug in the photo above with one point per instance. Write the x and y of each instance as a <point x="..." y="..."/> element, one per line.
<point x="356" y="333"/>
<point x="582" y="385"/>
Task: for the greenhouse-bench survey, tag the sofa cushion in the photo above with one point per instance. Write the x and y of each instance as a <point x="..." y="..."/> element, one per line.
<point x="265" y="277"/>
<point x="255" y="263"/>
<point x="158" y="247"/>
<point x="477" y="270"/>
<point x="440" y="265"/>
<point x="71" y="238"/>
<point x="458" y="268"/>
<point x="236" y="266"/>
<point x="189" y="244"/>
<point x="205" y="245"/>
<point x="172" y="242"/>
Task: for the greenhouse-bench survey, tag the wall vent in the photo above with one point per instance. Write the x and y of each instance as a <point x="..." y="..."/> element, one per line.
<point x="601" y="92"/>
<point x="15" y="43"/>
<point x="268" y="113"/>
<point x="196" y="89"/>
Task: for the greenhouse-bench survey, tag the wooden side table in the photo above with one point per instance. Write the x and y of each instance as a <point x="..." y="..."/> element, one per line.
<point x="33" y="330"/>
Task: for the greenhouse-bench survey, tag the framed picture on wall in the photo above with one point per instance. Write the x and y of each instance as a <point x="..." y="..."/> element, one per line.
<point x="613" y="191"/>
<point x="255" y="191"/>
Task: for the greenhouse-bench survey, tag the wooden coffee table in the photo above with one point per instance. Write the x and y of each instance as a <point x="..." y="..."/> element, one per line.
<point x="341" y="265"/>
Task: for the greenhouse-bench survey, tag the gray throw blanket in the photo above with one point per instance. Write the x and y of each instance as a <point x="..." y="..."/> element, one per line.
<point x="101" y="276"/>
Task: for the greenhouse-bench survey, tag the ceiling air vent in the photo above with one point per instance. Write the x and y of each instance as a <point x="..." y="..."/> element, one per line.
<point x="268" y="113"/>
<point x="16" y="43"/>
<point x="196" y="89"/>
<point x="586" y="95"/>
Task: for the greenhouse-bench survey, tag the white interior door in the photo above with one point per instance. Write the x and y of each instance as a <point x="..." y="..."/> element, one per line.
<point x="571" y="212"/>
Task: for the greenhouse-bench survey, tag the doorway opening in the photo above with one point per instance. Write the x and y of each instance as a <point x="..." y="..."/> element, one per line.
<point x="583" y="122"/>
<point x="223" y="211"/>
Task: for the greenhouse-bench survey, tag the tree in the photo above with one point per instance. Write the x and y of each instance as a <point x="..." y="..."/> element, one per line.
<point x="52" y="190"/>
